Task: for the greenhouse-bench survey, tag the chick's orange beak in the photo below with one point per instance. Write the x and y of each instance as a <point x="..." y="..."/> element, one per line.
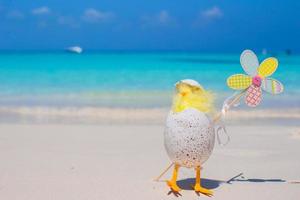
<point x="183" y="93"/>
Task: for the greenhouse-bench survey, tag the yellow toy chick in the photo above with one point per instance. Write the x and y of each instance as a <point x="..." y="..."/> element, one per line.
<point x="189" y="135"/>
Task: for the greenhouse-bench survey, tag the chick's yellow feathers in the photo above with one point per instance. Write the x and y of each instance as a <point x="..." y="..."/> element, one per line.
<point x="188" y="96"/>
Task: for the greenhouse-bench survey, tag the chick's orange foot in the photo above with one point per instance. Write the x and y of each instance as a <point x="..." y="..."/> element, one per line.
<point x="199" y="189"/>
<point x="173" y="186"/>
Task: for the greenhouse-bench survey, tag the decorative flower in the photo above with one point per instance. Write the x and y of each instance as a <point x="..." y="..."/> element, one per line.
<point x="257" y="78"/>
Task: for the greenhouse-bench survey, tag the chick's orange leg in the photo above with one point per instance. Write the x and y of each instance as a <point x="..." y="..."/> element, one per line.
<point x="173" y="182"/>
<point x="198" y="187"/>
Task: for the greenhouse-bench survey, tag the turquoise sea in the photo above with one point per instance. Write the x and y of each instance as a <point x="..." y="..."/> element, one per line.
<point x="126" y="79"/>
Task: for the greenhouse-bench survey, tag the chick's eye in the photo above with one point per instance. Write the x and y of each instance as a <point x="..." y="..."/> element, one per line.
<point x="195" y="89"/>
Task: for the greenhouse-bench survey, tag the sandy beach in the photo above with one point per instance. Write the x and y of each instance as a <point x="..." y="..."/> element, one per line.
<point x="118" y="161"/>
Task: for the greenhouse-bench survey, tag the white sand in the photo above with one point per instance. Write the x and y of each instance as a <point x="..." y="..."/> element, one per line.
<point x="60" y="162"/>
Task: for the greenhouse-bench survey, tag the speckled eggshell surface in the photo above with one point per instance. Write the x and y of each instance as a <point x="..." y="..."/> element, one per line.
<point x="189" y="137"/>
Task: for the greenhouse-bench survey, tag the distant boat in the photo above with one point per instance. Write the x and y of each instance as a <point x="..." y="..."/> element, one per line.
<point x="288" y="52"/>
<point x="264" y="52"/>
<point x="75" y="49"/>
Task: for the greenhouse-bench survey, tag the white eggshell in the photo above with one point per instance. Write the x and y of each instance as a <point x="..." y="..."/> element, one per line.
<point x="189" y="137"/>
<point x="190" y="82"/>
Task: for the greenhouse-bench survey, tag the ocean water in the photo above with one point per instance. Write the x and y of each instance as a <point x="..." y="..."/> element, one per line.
<point x="126" y="79"/>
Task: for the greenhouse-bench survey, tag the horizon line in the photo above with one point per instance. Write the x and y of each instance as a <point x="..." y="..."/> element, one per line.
<point x="64" y="50"/>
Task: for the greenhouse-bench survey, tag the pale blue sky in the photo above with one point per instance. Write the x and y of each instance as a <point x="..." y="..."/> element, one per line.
<point x="204" y="25"/>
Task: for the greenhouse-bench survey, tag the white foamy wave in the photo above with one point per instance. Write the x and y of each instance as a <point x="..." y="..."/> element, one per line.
<point x="43" y="114"/>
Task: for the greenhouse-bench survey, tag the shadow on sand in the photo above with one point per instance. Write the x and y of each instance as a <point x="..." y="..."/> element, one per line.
<point x="187" y="184"/>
